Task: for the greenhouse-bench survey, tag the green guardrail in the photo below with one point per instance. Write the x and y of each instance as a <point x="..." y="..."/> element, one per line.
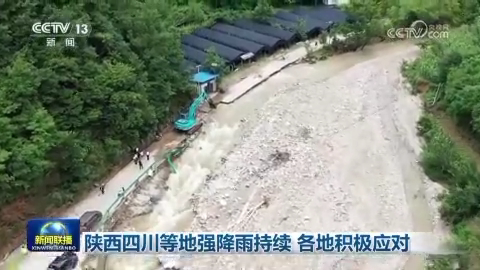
<point x="168" y="156"/>
<point x="120" y="199"/>
<point x="174" y="153"/>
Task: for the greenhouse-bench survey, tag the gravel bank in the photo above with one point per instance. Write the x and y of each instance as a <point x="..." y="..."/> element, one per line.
<point x="328" y="156"/>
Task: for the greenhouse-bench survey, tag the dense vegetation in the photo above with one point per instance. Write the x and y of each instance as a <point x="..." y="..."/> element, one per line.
<point x="447" y="73"/>
<point x="444" y="162"/>
<point x="70" y="114"/>
<point x="375" y="17"/>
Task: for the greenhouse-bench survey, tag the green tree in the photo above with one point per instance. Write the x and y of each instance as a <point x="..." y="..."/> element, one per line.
<point x="215" y="63"/>
<point x="301" y="28"/>
<point x="28" y="131"/>
<point x="262" y="10"/>
<point x="70" y="115"/>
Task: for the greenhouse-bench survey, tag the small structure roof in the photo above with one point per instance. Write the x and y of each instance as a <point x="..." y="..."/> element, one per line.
<point x="203" y="77"/>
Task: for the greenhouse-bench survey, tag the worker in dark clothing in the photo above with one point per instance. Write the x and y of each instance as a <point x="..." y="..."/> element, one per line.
<point x="102" y="188"/>
<point x="140" y="164"/>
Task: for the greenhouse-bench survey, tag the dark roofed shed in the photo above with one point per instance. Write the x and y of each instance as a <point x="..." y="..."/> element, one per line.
<point x="324" y="13"/>
<point x="311" y="23"/>
<point x="230" y="41"/>
<point x="194" y="55"/>
<point x="231" y="55"/>
<point x="287" y="25"/>
<point x="268" y="30"/>
<point x="293" y="26"/>
<point x="272" y="43"/>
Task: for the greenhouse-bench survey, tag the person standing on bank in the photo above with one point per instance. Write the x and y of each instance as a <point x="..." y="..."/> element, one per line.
<point x="140" y="164"/>
<point x="102" y="188"/>
<point x="148" y="155"/>
<point x="135" y="159"/>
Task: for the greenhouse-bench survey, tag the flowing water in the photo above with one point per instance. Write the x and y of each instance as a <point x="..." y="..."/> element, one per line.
<point x="174" y="211"/>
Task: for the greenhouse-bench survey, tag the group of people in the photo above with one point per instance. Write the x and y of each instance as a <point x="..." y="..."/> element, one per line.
<point x="102" y="188"/>
<point x="138" y="156"/>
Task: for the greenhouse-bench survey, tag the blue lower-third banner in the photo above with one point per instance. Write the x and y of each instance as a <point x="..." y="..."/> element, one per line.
<point x="260" y="242"/>
<point x="53" y="234"/>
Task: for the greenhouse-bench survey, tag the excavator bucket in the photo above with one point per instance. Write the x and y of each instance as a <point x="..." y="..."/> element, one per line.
<point x="196" y="128"/>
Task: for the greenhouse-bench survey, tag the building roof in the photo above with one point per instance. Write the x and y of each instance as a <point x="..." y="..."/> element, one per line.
<point x="230" y="54"/>
<point x="289" y="26"/>
<point x="324" y="13"/>
<point x="194" y="55"/>
<point x="311" y="23"/>
<point x="272" y="43"/>
<point x="268" y="30"/>
<point x="230" y="41"/>
<point x="203" y="77"/>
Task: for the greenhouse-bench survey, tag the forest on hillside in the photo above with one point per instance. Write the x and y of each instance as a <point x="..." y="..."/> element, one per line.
<point x="70" y="114"/>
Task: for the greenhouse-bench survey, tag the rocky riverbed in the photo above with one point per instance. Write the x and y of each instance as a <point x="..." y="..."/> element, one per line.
<point x="330" y="146"/>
